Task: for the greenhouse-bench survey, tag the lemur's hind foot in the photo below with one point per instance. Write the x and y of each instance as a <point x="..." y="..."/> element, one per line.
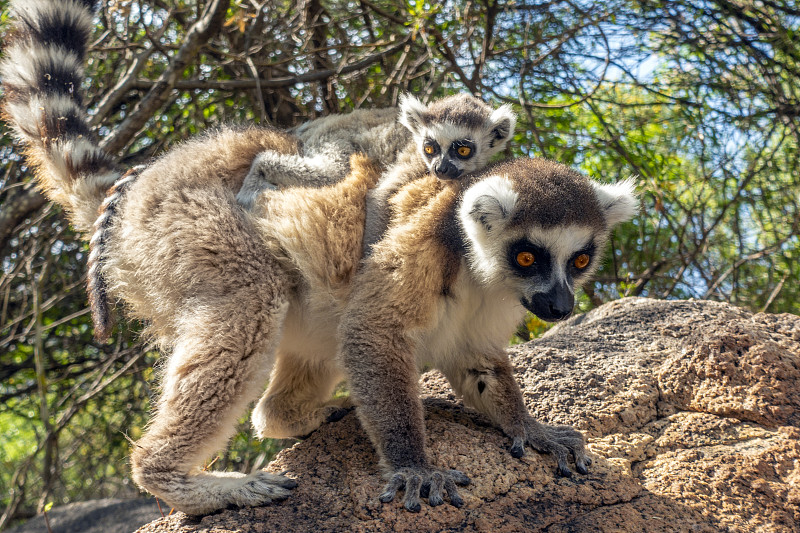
<point x="299" y="397"/>
<point x="206" y="492"/>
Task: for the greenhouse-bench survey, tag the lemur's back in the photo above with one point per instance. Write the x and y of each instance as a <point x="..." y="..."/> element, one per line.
<point x="374" y="132"/>
<point x="180" y="217"/>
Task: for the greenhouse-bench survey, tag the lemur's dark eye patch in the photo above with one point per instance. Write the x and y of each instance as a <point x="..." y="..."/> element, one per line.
<point x="527" y="259"/>
<point x="430" y="147"/>
<point x="582" y="261"/>
<point x="462" y="149"/>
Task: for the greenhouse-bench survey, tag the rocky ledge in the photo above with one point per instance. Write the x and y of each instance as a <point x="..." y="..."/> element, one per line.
<point x="691" y="410"/>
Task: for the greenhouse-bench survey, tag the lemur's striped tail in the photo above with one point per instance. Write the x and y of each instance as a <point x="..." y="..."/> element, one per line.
<point x="42" y="70"/>
<point x="102" y="315"/>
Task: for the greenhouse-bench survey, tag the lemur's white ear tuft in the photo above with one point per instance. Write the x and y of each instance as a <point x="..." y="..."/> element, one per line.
<point x="411" y="111"/>
<point x="489" y="202"/>
<point x="503" y="120"/>
<point x="617" y="200"/>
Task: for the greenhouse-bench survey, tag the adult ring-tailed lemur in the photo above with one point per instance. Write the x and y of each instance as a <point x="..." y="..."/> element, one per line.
<point x="280" y="292"/>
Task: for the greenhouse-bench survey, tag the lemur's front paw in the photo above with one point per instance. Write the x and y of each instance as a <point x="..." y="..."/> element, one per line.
<point x="425" y="483"/>
<point x="557" y="440"/>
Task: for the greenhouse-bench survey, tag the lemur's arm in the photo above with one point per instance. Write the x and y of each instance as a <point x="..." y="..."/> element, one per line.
<point x="487" y="384"/>
<point x="394" y="296"/>
<point x="324" y="165"/>
<point x="378" y="357"/>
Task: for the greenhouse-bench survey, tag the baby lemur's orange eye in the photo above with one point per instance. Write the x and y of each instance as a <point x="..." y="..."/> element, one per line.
<point x="525" y="259"/>
<point x="582" y="261"/>
<point x="429" y="149"/>
<point x="464" y="151"/>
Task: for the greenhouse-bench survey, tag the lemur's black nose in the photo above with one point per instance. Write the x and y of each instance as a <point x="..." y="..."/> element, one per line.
<point x="559" y="313"/>
<point x="446" y="170"/>
<point x="551" y="306"/>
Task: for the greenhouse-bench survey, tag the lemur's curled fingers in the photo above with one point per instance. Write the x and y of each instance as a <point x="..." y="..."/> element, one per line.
<point x="560" y="441"/>
<point x="425" y="483"/>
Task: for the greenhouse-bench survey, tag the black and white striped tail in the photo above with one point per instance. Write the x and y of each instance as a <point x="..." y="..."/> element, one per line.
<point x="42" y="71"/>
<point x="96" y="287"/>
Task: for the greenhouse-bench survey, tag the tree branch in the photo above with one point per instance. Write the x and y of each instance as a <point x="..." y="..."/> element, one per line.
<point x="209" y="23"/>
<point x="16" y="208"/>
<point x="276" y="83"/>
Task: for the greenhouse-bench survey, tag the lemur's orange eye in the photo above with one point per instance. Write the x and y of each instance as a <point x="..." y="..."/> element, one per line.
<point x="525" y="259"/>
<point x="429" y="149"/>
<point x="582" y="261"/>
<point x="464" y="151"/>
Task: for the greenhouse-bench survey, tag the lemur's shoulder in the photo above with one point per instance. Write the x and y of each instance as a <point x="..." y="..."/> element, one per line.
<point x="417" y="259"/>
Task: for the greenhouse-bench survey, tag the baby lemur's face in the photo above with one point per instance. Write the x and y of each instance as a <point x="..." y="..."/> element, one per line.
<point x="458" y="134"/>
<point x="537" y="229"/>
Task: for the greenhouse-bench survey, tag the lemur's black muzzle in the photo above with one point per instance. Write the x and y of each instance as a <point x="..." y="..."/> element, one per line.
<point x="551" y="306"/>
<point x="446" y="170"/>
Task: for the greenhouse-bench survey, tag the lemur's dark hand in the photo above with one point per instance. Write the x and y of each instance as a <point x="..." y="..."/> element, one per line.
<point x="425" y="483"/>
<point x="557" y="440"/>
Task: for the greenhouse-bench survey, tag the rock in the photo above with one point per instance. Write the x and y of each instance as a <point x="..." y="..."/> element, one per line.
<point x="691" y="410"/>
<point x="94" y="516"/>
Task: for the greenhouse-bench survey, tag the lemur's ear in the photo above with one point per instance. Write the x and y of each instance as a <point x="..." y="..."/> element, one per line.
<point x="489" y="203"/>
<point x="502" y="122"/>
<point x="617" y="200"/>
<point x="411" y="111"/>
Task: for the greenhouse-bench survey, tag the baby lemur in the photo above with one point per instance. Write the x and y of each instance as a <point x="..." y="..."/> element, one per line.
<point x="449" y="138"/>
<point x="233" y="294"/>
<point x="324" y="149"/>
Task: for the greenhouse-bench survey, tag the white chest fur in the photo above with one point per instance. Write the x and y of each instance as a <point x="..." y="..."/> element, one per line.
<point x="473" y="319"/>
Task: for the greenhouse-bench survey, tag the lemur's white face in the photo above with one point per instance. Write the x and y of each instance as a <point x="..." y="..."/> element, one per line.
<point x="456" y="141"/>
<point x="541" y="265"/>
<point x="451" y="151"/>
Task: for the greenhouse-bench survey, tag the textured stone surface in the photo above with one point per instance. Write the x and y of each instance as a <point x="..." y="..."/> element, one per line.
<point x="94" y="516"/>
<point x="691" y="409"/>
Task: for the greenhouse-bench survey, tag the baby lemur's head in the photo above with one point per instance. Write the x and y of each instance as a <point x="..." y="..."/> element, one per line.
<point x="536" y="230"/>
<point x="457" y="134"/>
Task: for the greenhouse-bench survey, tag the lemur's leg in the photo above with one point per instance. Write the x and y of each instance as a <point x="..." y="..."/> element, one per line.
<point x="326" y="165"/>
<point x="213" y="374"/>
<point x="226" y="339"/>
<point x="298" y="399"/>
<point x="487" y="384"/>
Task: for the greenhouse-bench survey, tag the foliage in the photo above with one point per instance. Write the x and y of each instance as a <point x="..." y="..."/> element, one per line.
<point x="699" y="101"/>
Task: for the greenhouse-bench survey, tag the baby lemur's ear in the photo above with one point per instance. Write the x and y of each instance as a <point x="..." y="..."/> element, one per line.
<point x="617" y="200"/>
<point x="489" y="203"/>
<point x="411" y="111"/>
<point x="501" y="124"/>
